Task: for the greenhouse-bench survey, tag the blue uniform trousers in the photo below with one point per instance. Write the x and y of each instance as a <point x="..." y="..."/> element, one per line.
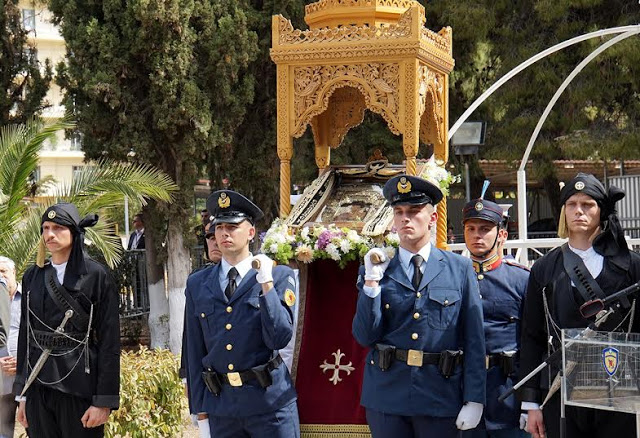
<point x="500" y="433"/>
<point x="397" y="426"/>
<point x="282" y="423"/>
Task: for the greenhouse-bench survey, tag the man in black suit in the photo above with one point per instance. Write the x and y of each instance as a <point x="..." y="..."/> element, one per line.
<point x="136" y="240"/>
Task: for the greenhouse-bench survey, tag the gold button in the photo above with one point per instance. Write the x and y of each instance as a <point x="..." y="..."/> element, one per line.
<point x="228" y="326"/>
<point x="229" y="309"/>
<point x="230" y="367"/>
<point x="480" y="296"/>
<point x="416" y="315"/>
<point x="386" y="306"/>
<point x="372" y="362"/>
<point x="414" y="336"/>
<point x="480" y="277"/>
<point x="202" y="315"/>
<point x="229" y="347"/>
<point x="418" y="294"/>
<point x="446" y="302"/>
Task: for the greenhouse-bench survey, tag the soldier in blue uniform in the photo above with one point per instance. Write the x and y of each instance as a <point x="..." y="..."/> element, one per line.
<point x="421" y="316"/>
<point x="502" y="286"/>
<point x="237" y="319"/>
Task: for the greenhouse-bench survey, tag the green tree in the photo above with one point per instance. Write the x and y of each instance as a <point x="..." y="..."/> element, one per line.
<point x="97" y="188"/>
<point x="23" y="80"/>
<point x="167" y="80"/>
<point x="597" y="116"/>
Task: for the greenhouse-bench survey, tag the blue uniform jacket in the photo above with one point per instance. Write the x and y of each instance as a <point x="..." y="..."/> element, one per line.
<point x="446" y="314"/>
<point x="240" y="333"/>
<point x="502" y="291"/>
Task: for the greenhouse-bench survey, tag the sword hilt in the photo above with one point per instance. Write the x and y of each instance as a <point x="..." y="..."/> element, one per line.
<point x="67" y="316"/>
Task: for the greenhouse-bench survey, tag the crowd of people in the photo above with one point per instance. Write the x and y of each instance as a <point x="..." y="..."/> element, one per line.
<point x="446" y="335"/>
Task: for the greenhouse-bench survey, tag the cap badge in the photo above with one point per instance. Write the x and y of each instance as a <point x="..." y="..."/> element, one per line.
<point x="479" y="206"/>
<point x="224" y="201"/>
<point x="51" y="214"/>
<point x="404" y="185"/>
<point x="579" y="185"/>
<point x="289" y="297"/>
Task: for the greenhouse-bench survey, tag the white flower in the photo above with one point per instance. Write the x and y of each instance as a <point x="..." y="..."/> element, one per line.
<point x="345" y="246"/>
<point x="304" y="234"/>
<point x="333" y="252"/>
<point x="279" y="238"/>
<point x="304" y="253"/>
<point x="393" y="239"/>
<point x="273" y="248"/>
<point x="352" y="236"/>
<point x="389" y="251"/>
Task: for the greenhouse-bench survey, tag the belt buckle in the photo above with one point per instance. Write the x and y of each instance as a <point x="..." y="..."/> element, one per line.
<point x="414" y="358"/>
<point x="234" y="379"/>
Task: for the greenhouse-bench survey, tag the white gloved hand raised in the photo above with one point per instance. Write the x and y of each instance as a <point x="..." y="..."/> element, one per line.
<point x="203" y="428"/>
<point x="524" y="418"/>
<point x="375" y="271"/>
<point x="469" y="415"/>
<point x="264" y="270"/>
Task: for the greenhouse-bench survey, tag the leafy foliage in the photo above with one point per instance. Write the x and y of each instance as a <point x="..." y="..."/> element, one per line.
<point x="97" y="188"/>
<point x="23" y="81"/>
<point x="151" y="396"/>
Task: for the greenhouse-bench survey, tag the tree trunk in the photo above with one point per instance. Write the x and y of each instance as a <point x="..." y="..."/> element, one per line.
<point x="158" y="303"/>
<point x="178" y="268"/>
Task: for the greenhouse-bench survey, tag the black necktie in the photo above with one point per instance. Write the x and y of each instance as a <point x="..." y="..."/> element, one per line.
<point x="417" y="274"/>
<point x="231" y="286"/>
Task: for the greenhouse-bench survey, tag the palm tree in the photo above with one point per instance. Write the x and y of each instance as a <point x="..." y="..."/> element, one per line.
<point x="99" y="188"/>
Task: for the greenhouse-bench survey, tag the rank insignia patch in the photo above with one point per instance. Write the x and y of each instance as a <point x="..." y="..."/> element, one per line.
<point x="289" y="297"/>
<point x="610" y="360"/>
<point x="224" y="201"/>
<point x="404" y="186"/>
<point x="51" y="215"/>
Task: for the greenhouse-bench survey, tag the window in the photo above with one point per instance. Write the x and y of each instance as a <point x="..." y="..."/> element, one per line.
<point x="29" y="19"/>
<point x="35" y="175"/>
<point x="76" y="141"/>
<point x="76" y="171"/>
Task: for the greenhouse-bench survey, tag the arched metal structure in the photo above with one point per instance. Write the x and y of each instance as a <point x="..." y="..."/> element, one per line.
<point x="624" y="33"/>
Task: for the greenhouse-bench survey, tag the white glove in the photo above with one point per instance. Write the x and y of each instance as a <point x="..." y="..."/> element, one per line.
<point x="524" y="417"/>
<point x="203" y="428"/>
<point x="469" y="416"/>
<point x="375" y="271"/>
<point x="264" y="271"/>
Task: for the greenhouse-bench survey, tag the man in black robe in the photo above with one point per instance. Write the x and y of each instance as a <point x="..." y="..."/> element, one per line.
<point x="597" y="248"/>
<point x="79" y="383"/>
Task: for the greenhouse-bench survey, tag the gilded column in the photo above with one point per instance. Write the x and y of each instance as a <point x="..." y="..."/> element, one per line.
<point x="284" y="139"/>
<point x="411" y="133"/>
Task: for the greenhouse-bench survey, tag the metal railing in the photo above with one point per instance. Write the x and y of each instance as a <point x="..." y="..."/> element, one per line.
<point x="132" y="277"/>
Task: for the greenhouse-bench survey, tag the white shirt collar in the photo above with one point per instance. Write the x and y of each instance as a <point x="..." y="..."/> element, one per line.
<point x="406" y="255"/>
<point x="243" y="268"/>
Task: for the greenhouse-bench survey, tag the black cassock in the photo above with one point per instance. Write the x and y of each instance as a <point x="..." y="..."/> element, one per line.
<point x="548" y="277"/>
<point x="84" y="368"/>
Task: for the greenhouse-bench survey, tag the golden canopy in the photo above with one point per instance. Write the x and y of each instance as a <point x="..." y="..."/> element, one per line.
<point x="357" y="55"/>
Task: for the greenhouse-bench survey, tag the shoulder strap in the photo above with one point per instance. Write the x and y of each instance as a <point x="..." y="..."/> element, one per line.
<point x="63" y="299"/>
<point x="580" y="275"/>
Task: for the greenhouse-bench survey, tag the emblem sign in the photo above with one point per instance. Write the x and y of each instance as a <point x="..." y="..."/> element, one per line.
<point x="289" y="297"/>
<point x="51" y="215"/>
<point x="610" y="360"/>
<point x="404" y="186"/>
<point x="579" y="185"/>
<point x="479" y="206"/>
<point x="224" y="201"/>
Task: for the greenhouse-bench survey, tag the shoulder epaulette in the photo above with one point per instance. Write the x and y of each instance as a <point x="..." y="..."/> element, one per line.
<point x="512" y="262"/>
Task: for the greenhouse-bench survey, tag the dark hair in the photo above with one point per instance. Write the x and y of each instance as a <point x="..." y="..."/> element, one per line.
<point x="139" y="216"/>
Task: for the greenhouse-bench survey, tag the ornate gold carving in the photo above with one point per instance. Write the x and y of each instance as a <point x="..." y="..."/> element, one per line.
<point x="289" y="35"/>
<point x="345" y="111"/>
<point x="326" y="4"/>
<point x="313" y="86"/>
<point x="410" y="133"/>
<point x="431" y="109"/>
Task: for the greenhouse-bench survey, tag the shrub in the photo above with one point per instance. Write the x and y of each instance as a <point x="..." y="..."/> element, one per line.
<point x="151" y="396"/>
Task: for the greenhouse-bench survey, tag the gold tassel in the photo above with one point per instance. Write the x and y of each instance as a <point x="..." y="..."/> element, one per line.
<point x="563" y="230"/>
<point x="42" y="252"/>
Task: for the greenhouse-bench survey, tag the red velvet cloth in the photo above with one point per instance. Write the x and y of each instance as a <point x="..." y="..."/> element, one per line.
<point x="330" y="306"/>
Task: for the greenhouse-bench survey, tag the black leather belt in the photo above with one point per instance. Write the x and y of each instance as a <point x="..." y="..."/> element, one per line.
<point x="417" y="358"/>
<point x="57" y="340"/>
<point x="260" y="373"/>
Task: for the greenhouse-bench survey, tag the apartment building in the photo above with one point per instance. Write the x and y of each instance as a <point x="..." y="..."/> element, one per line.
<point x="62" y="157"/>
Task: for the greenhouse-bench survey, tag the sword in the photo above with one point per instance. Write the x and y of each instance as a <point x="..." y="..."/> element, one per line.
<point x="45" y="354"/>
